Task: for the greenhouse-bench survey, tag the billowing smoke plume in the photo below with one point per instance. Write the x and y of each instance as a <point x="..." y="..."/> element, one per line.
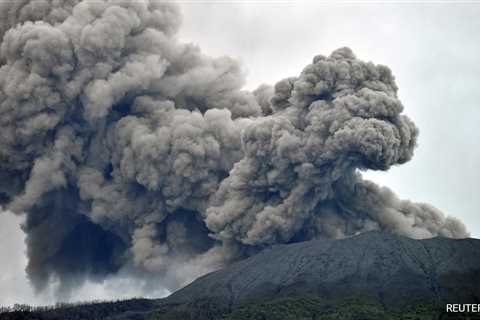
<point x="125" y="148"/>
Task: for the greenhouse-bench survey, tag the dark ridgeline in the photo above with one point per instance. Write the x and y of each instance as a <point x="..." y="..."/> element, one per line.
<point x="81" y="310"/>
<point x="376" y="275"/>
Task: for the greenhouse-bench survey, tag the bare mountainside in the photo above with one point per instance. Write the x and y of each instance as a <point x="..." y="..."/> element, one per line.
<point x="374" y="275"/>
<point x="391" y="269"/>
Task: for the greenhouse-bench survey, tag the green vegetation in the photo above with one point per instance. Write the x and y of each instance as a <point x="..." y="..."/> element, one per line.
<point x="76" y="311"/>
<point x="351" y="309"/>
<point x="304" y="308"/>
<point x="310" y="308"/>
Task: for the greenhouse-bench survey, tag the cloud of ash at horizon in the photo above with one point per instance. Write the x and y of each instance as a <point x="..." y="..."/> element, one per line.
<point x="126" y="149"/>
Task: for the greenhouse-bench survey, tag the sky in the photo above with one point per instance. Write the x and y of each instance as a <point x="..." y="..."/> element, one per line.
<point x="432" y="49"/>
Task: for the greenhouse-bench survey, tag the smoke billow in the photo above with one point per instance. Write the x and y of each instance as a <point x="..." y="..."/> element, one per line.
<point x="125" y="148"/>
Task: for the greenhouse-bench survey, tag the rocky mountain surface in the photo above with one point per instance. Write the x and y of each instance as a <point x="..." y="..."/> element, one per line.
<point x="391" y="269"/>
<point x="373" y="275"/>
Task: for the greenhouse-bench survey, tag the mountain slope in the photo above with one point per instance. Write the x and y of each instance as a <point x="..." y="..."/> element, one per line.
<point x="370" y="276"/>
<point x="390" y="269"/>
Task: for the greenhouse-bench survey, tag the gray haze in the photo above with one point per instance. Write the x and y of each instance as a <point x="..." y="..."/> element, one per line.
<point x="112" y="127"/>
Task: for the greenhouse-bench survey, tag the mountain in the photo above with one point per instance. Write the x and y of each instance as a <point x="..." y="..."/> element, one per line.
<point x="377" y="275"/>
<point x="391" y="269"/>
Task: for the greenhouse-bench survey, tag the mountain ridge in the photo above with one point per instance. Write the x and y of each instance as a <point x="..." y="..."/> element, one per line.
<point x="376" y="275"/>
<point x="375" y="261"/>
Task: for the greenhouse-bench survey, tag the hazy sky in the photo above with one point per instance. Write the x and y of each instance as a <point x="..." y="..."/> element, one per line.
<point x="433" y="50"/>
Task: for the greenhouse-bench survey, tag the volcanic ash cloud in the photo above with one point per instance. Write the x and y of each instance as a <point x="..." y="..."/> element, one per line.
<point x="127" y="149"/>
